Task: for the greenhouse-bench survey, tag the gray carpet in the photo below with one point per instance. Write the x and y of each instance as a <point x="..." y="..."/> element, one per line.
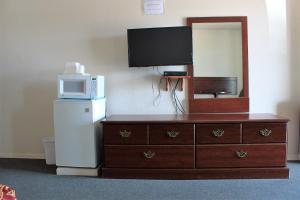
<point x="33" y="181"/>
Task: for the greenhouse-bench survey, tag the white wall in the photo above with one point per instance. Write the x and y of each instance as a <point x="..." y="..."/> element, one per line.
<point x="277" y="83"/>
<point x="39" y="36"/>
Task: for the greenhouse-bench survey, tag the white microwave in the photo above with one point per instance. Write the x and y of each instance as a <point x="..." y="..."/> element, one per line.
<point x="80" y="86"/>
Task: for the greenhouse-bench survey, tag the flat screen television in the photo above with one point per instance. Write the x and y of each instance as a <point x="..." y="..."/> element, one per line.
<point x="160" y="46"/>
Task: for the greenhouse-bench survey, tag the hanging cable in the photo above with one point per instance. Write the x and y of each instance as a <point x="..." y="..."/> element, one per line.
<point x="173" y="87"/>
<point x="157" y="98"/>
<point x="178" y="103"/>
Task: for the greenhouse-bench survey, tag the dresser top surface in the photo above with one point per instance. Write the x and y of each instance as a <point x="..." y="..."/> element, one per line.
<point x="195" y="118"/>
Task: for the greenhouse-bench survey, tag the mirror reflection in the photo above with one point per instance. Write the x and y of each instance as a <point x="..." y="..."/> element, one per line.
<point x="218" y="61"/>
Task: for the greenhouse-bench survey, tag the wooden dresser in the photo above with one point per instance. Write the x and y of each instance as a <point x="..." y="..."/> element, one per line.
<point x="195" y="146"/>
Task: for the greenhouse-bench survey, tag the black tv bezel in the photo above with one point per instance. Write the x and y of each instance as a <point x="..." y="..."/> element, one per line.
<point x="159" y="64"/>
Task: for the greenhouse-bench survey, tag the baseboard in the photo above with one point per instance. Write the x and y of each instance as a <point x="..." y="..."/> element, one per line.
<point x="20" y="155"/>
<point x="71" y="171"/>
<point x="293" y="157"/>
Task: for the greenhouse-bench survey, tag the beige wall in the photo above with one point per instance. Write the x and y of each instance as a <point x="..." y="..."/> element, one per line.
<point x="2" y="115"/>
<point x="39" y="36"/>
<point x="294" y="60"/>
<point x="294" y="44"/>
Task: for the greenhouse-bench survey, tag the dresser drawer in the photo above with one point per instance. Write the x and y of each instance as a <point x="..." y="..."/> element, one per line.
<point x="264" y="133"/>
<point x="125" y="134"/>
<point x="149" y="156"/>
<point x="217" y="156"/>
<point x="218" y="133"/>
<point x="171" y="134"/>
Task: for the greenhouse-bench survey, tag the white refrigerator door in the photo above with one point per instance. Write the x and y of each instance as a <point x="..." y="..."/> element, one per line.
<point x="75" y="135"/>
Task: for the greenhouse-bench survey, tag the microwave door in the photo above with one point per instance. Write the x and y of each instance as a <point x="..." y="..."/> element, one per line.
<point x="75" y="88"/>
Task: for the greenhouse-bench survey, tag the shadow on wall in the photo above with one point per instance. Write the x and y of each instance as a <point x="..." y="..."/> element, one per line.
<point x="294" y="50"/>
<point x="34" y="118"/>
<point x="291" y="110"/>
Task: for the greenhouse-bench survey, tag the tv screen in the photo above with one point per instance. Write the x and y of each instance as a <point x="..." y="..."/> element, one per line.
<point x="160" y="46"/>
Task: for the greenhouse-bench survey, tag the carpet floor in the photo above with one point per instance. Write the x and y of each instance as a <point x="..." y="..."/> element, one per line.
<point x="33" y="181"/>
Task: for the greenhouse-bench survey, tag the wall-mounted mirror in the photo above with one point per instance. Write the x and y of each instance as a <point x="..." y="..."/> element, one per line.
<point x="220" y="64"/>
<point x="218" y="60"/>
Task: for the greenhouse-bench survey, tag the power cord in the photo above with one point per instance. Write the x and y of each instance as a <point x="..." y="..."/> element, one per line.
<point x="180" y="107"/>
<point x="159" y="71"/>
<point x="175" y="100"/>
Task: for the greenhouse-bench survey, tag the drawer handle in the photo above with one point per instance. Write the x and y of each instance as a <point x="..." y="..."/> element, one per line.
<point x="149" y="154"/>
<point x="172" y="134"/>
<point x="218" y="132"/>
<point x="125" y="134"/>
<point x="241" y="154"/>
<point x="265" y="132"/>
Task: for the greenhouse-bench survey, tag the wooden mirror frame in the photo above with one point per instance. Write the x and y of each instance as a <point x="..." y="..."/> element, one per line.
<point x="221" y="105"/>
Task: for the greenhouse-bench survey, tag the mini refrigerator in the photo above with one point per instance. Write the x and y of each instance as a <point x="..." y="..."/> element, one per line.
<point x="78" y="132"/>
